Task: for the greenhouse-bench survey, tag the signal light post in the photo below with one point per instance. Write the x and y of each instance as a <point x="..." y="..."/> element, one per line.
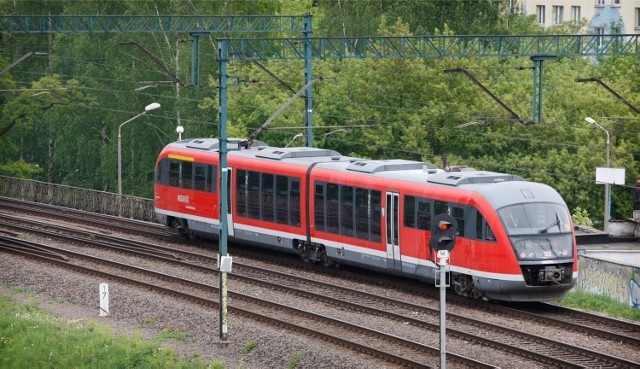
<point x="443" y="239"/>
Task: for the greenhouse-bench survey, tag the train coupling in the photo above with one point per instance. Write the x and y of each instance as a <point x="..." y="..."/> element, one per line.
<point x="551" y="274"/>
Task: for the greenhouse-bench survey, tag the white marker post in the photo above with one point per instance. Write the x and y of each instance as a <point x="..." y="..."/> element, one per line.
<point x="104" y="299"/>
<point x="443" y="262"/>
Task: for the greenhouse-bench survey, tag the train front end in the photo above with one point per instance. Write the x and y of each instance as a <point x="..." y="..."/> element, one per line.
<point x="538" y="227"/>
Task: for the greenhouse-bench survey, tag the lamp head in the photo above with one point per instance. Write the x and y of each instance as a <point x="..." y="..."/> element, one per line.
<point x="590" y="120"/>
<point x="179" y="129"/>
<point x="152" y="106"/>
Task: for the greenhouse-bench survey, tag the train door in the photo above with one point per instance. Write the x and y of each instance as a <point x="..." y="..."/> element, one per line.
<point x="393" y="231"/>
<point x="230" y="193"/>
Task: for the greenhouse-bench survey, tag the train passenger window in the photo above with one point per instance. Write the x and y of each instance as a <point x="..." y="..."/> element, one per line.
<point x="409" y="211"/>
<point x="174" y="173"/>
<point x="282" y="200"/>
<point x="440" y="207"/>
<point x="424" y="214"/>
<point x="363" y="214"/>
<point x="332" y="210"/>
<point x="199" y="177"/>
<point x="267" y="198"/>
<point x="319" y="206"/>
<point x="241" y="192"/>
<point x="458" y="214"/>
<point x="346" y="211"/>
<point x="376" y="216"/>
<point x="212" y="171"/>
<point x="253" y="198"/>
<point x="187" y="175"/>
<point x="294" y="200"/>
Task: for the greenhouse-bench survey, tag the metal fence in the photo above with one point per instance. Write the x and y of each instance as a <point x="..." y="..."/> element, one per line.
<point x="76" y="198"/>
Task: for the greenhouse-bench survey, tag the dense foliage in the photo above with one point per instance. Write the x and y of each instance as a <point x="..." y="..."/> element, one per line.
<point x="61" y="112"/>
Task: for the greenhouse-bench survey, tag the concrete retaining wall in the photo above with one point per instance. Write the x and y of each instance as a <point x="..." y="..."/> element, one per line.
<point x="610" y="278"/>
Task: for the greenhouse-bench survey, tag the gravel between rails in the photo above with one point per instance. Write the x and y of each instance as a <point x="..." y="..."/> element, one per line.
<point x="75" y="296"/>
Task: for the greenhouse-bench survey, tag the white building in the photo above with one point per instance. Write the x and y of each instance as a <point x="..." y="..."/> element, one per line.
<point x="603" y="16"/>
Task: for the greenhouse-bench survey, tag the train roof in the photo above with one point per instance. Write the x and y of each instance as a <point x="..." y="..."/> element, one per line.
<point x="501" y="191"/>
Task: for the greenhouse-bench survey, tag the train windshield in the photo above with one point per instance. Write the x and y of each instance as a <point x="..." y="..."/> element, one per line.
<point x="538" y="231"/>
<point x="538" y="218"/>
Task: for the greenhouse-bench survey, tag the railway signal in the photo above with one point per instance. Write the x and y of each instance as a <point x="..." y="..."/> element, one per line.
<point x="443" y="239"/>
<point x="443" y="232"/>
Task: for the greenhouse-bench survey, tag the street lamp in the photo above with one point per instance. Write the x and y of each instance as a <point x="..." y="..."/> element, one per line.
<point x="608" y="164"/>
<point x="179" y="131"/>
<point x="295" y="138"/>
<point x="152" y="106"/>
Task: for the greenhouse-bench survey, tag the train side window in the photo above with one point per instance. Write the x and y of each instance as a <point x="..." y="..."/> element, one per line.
<point x="253" y="192"/>
<point x="457" y="213"/>
<point x="424" y="214"/>
<point x="333" y="211"/>
<point x="376" y="216"/>
<point x="363" y="214"/>
<point x="174" y="173"/>
<point x="319" y="206"/>
<point x="294" y="200"/>
<point x="267" y="197"/>
<point x="282" y="200"/>
<point x="212" y="174"/>
<point x="200" y="177"/>
<point x="346" y="211"/>
<point x="241" y="192"/>
<point x="409" y="211"/>
<point x="440" y="207"/>
<point x="187" y="175"/>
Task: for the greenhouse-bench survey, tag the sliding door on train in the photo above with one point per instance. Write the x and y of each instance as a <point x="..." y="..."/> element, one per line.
<point x="393" y="231"/>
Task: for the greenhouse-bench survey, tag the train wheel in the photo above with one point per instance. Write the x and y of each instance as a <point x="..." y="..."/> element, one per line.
<point x="181" y="228"/>
<point x="324" y="259"/>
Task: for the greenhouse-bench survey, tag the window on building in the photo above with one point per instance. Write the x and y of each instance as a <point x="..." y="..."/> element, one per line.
<point x="637" y="18"/>
<point x="558" y="14"/>
<point x="599" y="31"/>
<point x="575" y="13"/>
<point x="600" y="3"/>
<point x="615" y="3"/>
<point x="540" y="13"/>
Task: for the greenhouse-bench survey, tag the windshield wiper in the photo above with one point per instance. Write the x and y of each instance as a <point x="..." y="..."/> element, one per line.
<point x="555" y="223"/>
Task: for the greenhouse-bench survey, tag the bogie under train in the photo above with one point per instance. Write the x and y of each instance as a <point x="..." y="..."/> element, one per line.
<point x="515" y="238"/>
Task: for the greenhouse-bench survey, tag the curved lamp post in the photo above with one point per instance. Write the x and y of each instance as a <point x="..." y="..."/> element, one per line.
<point x="152" y="106"/>
<point x="607" y="214"/>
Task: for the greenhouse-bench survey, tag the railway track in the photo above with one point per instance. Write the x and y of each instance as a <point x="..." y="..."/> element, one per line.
<point x="545" y="351"/>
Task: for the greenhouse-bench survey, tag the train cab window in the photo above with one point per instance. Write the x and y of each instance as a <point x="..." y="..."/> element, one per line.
<point x="186" y="177"/>
<point x="483" y="231"/>
<point x="162" y="172"/>
<point x="174" y="173"/>
<point x="319" y="206"/>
